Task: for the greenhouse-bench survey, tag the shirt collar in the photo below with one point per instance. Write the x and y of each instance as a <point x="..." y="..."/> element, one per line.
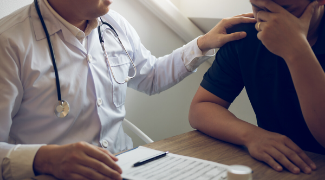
<point x="320" y="44"/>
<point x="79" y="34"/>
<point x="52" y="24"/>
<point x="52" y="20"/>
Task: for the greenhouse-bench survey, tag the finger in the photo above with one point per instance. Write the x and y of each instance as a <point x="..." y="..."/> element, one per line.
<point x="259" y="26"/>
<point x="94" y="174"/>
<point x="228" y="23"/>
<point x="263" y="16"/>
<point x="100" y="156"/>
<point x="100" y="167"/>
<point x="76" y="176"/>
<point x="308" y="14"/>
<point x="283" y="160"/>
<point x="294" y="158"/>
<point x="108" y="153"/>
<point x="271" y="162"/>
<point x="290" y="144"/>
<point x="270" y="6"/>
<point x="232" y="37"/>
<point x="250" y="15"/>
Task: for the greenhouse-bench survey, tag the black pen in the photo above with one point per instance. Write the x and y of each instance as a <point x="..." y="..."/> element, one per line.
<point x="149" y="159"/>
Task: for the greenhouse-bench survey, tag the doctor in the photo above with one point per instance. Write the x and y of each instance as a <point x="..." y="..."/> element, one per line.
<point x="62" y="108"/>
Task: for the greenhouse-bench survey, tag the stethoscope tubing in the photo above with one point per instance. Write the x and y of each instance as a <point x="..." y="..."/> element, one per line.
<point x="63" y="108"/>
<point x="101" y="39"/>
<point x="57" y="78"/>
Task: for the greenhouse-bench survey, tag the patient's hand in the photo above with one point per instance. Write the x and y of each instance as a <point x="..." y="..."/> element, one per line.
<point x="218" y="36"/>
<point x="281" y="32"/>
<point x="76" y="161"/>
<point x="276" y="150"/>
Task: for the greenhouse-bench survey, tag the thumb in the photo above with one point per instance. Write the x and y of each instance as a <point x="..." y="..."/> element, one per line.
<point x="308" y="14"/>
<point x="233" y="37"/>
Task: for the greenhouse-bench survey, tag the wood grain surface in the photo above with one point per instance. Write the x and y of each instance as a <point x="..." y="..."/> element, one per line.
<point x="199" y="145"/>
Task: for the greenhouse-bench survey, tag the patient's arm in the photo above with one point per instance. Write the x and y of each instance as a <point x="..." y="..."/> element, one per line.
<point x="291" y="38"/>
<point x="210" y="114"/>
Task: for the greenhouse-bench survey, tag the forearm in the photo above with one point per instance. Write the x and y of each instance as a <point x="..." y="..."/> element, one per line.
<point x="309" y="81"/>
<point x="219" y="122"/>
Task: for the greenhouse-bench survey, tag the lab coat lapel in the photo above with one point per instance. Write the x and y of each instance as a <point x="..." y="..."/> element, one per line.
<point x="51" y="22"/>
<point x="70" y="38"/>
<point x="93" y="42"/>
<point x="53" y="26"/>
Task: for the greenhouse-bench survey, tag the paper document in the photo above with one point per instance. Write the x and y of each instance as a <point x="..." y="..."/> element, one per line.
<point x="172" y="166"/>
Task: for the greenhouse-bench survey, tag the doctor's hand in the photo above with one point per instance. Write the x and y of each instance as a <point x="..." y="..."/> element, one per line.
<point x="217" y="36"/>
<point x="76" y="161"/>
<point x="278" y="151"/>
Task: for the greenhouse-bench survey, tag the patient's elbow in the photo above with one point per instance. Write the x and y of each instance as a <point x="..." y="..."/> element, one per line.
<point x="192" y="116"/>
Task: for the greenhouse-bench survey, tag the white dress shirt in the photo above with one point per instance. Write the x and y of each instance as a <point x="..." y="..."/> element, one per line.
<point x="28" y="93"/>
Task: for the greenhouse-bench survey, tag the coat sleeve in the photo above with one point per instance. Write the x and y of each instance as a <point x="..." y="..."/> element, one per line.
<point x="155" y="75"/>
<point x="11" y="93"/>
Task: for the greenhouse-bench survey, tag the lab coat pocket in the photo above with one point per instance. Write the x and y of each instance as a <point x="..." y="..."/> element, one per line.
<point x="120" y="70"/>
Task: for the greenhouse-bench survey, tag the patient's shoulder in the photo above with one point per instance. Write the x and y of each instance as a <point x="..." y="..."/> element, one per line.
<point x="243" y="47"/>
<point x="249" y="28"/>
<point x="249" y="41"/>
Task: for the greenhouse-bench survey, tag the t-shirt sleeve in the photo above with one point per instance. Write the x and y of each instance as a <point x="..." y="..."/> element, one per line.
<point x="224" y="78"/>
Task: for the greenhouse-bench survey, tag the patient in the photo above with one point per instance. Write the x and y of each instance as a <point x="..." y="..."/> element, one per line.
<point x="280" y="63"/>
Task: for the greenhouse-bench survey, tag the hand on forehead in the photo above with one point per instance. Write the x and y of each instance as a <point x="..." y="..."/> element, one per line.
<point x="266" y="5"/>
<point x="295" y="7"/>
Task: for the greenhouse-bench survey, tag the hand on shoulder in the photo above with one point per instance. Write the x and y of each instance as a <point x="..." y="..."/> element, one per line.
<point x="217" y="36"/>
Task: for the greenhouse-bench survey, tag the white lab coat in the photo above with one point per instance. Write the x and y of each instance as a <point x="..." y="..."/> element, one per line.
<point x="28" y="93"/>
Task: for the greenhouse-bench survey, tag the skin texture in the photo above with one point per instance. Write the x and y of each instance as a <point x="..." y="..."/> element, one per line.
<point x="85" y="161"/>
<point x="287" y="28"/>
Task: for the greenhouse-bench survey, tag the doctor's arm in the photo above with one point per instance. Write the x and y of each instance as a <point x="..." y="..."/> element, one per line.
<point x="155" y="75"/>
<point x="21" y="161"/>
<point x="210" y="114"/>
<point x="11" y="93"/>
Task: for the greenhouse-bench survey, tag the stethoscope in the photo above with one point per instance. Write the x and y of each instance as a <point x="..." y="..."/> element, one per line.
<point x="62" y="109"/>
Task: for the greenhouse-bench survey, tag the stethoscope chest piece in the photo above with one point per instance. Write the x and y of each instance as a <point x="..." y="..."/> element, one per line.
<point x="62" y="109"/>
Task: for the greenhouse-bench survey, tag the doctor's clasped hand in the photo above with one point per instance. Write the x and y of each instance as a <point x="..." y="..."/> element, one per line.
<point x="78" y="143"/>
<point x="77" y="161"/>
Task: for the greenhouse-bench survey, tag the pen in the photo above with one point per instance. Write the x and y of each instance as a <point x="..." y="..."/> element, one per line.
<point x="149" y="159"/>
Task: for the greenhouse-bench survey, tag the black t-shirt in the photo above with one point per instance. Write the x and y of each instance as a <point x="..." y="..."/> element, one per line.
<point x="268" y="83"/>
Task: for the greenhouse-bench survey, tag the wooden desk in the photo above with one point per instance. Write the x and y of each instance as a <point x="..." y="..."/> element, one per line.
<point x="199" y="145"/>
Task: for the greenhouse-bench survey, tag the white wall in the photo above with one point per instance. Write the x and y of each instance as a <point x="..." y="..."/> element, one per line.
<point x="213" y="8"/>
<point x="162" y="115"/>
<point x="8" y="6"/>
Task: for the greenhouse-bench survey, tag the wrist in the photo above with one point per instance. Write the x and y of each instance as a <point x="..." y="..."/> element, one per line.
<point x="298" y="53"/>
<point x="201" y="43"/>
<point x="41" y="164"/>
<point x="250" y="135"/>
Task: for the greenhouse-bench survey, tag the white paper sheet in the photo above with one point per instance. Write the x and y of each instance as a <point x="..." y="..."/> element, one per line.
<point x="172" y="166"/>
